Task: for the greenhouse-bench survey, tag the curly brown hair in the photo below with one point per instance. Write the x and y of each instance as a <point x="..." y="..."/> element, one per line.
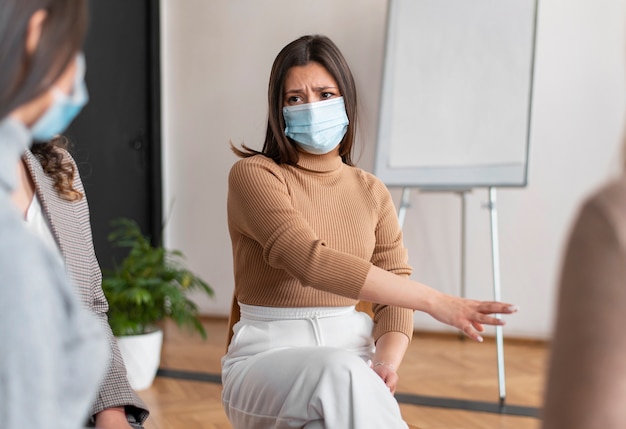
<point x="58" y="166"/>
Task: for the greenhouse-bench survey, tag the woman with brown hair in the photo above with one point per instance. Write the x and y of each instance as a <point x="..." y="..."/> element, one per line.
<point x="53" y="353"/>
<point x="312" y="234"/>
<point x="42" y="89"/>
<point x="51" y="193"/>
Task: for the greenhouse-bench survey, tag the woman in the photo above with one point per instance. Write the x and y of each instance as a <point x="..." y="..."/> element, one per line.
<point x="53" y="353"/>
<point x="586" y="385"/>
<point x="51" y="190"/>
<point x="311" y="235"/>
<point x="50" y="198"/>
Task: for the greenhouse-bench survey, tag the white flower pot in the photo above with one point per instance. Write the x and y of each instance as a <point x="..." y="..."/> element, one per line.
<point x="142" y="356"/>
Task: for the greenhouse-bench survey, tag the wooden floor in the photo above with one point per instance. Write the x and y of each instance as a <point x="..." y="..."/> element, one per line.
<point x="435" y="366"/>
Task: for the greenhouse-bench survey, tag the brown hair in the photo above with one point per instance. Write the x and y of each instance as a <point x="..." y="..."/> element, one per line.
<point x="58" y="167"/>
<point x="300" y="52"/>
<point x="24" y="76"/>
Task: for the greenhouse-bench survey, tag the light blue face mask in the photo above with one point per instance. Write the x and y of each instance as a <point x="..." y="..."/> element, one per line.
<point x="317" y="127"/>
<point x="64" y="108"/>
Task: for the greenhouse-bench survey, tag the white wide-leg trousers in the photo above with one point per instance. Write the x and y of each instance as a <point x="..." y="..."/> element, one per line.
<point x="305" y="368"/>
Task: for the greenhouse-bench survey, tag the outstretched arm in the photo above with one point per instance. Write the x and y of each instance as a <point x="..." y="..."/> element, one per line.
<point x="465" y="314"/>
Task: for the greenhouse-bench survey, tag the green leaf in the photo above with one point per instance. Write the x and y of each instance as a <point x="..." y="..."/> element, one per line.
<point x="149" y="285"/>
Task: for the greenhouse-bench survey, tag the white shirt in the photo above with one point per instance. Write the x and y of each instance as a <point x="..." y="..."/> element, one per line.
<point x="37" y="223"/>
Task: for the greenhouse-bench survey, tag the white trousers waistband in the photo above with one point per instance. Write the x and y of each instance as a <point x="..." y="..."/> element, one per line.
<point x="259" y="313"/>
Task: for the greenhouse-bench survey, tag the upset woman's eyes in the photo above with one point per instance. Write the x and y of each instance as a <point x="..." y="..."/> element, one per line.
<point x="297" y="99"/>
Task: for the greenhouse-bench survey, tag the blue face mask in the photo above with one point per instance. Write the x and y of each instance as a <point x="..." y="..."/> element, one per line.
<point x="64" y="108"/>
<point x="317" y="127"/>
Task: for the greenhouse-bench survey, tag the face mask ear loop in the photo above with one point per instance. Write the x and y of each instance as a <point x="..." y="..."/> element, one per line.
<point x="79" y="76"/>
<point x="79" y="89"/>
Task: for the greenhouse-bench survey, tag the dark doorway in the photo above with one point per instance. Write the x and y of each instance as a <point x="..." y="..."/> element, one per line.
<point x="117" y="137"/>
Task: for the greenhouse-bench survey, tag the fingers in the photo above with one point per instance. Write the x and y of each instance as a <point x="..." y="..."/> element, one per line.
<point x="470" y="315"/>
<point x="475" y="326"/>
<point x="392" y="382"/>
<point x="488" y="320"/>
<point x="471" y="332"/>
<point x="388" y="375"/>
<point x="478" y="326"/>
<point x="491" y="307"/>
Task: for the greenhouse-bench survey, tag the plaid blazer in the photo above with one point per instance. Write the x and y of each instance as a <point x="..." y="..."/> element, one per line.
<point x="71" y="228"/>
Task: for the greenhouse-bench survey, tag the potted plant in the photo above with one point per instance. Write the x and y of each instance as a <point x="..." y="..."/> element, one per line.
<point x="150" y="285"/>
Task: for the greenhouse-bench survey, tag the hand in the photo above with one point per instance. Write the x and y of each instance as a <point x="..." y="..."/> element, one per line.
<point x="469" y="315"/>
<point x="112" y="418"/>
<point x="388" y="374"/>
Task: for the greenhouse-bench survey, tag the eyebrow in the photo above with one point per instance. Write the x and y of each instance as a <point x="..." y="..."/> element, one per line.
<point x="300" y="90"/>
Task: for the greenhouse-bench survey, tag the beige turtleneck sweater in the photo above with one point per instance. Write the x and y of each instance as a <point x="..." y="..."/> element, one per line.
<point x="307" y="235"/>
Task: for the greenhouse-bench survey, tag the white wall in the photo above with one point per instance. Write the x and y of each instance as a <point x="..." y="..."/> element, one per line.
<point x="216" y="60"/>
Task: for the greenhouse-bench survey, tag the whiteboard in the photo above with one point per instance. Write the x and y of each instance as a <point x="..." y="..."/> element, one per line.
<point x="456" y="93"/>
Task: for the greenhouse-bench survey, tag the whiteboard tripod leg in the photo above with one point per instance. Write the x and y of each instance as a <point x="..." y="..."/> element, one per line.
<point x="405" y="203"/>
<point x="463" y="195"/>
<point x="463" y="276"/>
<point x="495" y="255"/>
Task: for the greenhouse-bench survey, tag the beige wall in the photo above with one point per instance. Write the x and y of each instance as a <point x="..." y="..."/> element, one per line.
<point x="216" y="60"/>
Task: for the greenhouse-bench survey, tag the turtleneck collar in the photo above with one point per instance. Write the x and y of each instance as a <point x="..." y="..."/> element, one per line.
<point x="14" y="140"/>
<point x="326" y="163"/>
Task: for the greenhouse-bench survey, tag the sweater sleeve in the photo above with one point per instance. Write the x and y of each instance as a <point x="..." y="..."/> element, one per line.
<point x="260" y="207"/>
<point x="390" y="255"/>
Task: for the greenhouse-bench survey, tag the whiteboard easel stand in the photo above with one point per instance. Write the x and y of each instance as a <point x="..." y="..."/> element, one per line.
<point x="405" y="203"/>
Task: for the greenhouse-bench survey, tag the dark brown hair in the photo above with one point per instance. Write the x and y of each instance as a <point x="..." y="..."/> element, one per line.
<point x="300" y="52"/>
<point x="24" y="76"/>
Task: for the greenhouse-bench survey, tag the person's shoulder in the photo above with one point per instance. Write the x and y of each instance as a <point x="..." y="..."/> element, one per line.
<point x="608" y="203"/>
<point x="370" y="180"/>
<point x="611" y="196"/>
<point x="254" y="165"/>
<point x="615" y="189"/>
<point x="254" y="162"/>
<point x="258" y="159"/>
<point x="63" y="154"/>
